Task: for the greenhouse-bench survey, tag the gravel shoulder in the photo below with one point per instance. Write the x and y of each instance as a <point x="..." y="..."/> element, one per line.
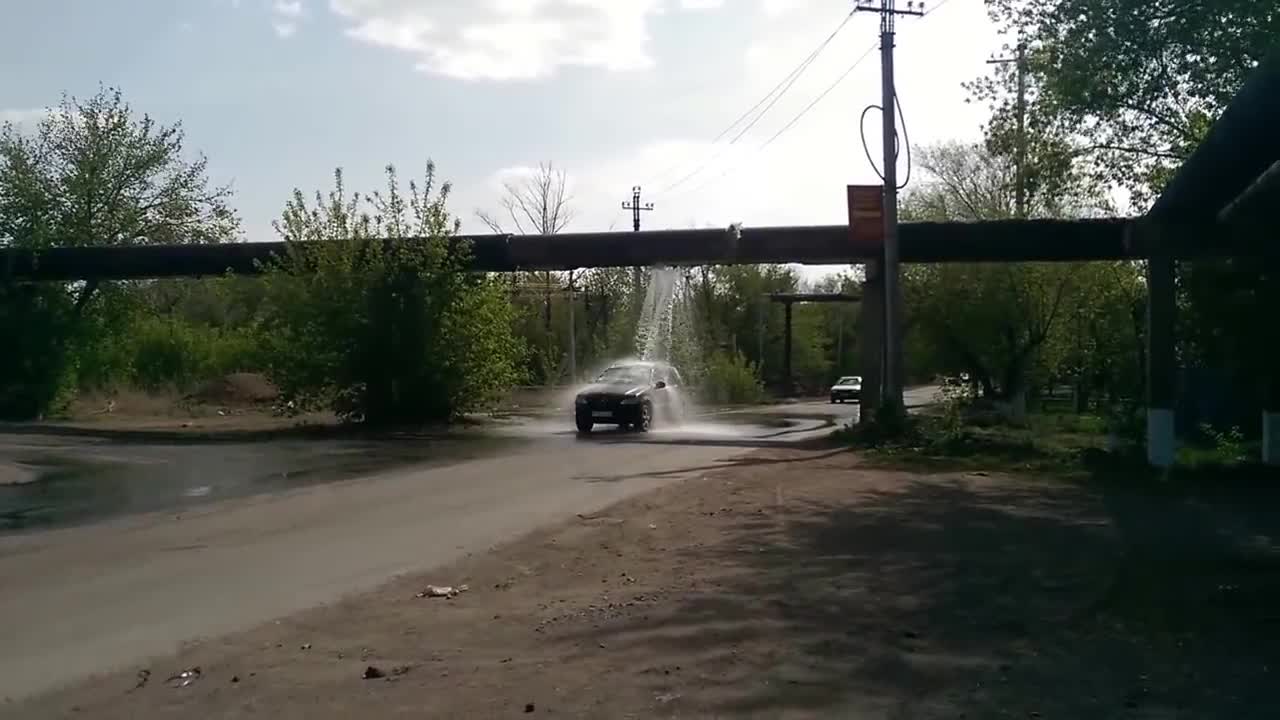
<point x="786" y="583"/>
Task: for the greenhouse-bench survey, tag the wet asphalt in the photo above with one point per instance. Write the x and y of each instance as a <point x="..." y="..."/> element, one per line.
<point x="67" y="480"/>
<point x="118" y="552"/>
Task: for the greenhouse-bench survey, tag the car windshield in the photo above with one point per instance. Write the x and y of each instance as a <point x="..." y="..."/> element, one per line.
<point x="626" y="374"/>
<point x="851" y="380"/>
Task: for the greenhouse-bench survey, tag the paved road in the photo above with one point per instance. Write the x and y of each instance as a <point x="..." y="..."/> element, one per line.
<point x="108" y="595"/>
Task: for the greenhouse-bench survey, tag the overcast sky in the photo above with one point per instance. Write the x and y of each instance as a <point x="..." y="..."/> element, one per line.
<point x="617" y="92"/>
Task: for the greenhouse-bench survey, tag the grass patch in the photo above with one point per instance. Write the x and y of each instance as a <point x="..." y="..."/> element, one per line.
<point x="1052" y="444"/>
<point x="1063" y="445"/>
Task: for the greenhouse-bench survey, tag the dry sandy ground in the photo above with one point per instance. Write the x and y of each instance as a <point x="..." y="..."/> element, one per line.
<point x="798" y="583"/>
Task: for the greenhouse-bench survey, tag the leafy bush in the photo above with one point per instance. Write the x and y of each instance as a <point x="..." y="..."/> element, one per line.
<point x="91" y="172"/>
<point x="36" y="366"/>
<point x="1216" y="448"/>
<point x="956" y="400"/>
<point x="169" y="352"/>
<point x="1126" y="422"/>
<point x="371" y="315"/>
<point x="730" y="379"/>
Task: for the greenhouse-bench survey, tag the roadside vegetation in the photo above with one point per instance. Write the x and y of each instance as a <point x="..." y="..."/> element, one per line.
<point x="367" y="316"/>
<point x="388" y="331"/>
<point x="965" y="433"/>
<point x="1054" y="354"/>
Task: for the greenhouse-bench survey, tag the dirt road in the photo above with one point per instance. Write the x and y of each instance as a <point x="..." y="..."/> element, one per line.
<point x="796" y="582"/>
<point x="99" y="597"/>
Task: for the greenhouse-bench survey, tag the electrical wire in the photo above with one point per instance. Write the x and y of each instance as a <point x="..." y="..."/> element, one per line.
<point x="937" y="7"/>
<point x="906" y="137"/>
<point x="820" y="97"/>
<point x="799" y="116"/>
<point x="617" y="215"/>
<point x="794" y="71"/>
<point x="771" y="98"/>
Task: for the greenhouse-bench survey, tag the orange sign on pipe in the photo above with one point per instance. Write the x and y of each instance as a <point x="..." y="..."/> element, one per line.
<point x="866" y="217"/>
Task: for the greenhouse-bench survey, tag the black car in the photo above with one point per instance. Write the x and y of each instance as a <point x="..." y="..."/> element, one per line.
<point x="630" y="395"/>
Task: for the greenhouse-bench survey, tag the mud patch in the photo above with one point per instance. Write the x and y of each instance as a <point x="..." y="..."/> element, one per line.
<point x="73" y="482"/>
<point x="16" y="473"/>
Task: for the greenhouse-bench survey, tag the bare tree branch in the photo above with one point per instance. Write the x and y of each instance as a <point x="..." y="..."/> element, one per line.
<point x="537" y="204"/>
<point x="1149" y="152"/>
<point x="490" y="221"/>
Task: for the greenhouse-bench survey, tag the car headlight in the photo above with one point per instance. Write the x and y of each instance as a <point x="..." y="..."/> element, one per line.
<point x="581" y="400"/>
<point x="631" y="401"/>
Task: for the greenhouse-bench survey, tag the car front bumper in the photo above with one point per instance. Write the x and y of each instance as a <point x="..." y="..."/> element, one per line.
<point x="846" y="394"/>
<point x="608" y="412"/>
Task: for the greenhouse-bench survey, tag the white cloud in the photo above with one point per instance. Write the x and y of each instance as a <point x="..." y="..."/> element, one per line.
<point x="800" y="178"/>
<point x="287" y="8"/>
<point x="510" y="39"/>
<point x="286" y="16"/>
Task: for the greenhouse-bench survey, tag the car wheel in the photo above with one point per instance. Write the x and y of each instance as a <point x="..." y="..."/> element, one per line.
<point x="584" y="425"/>
<point x="646" y="418"/>
<point x="833" y="400"/>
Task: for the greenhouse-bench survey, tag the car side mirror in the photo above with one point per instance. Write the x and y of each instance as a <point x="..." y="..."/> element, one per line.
<point x="660" y="385"/>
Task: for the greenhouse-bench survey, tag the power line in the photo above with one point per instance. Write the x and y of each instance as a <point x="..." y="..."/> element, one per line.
<point x="937" y="7"/>
<point x="771" y="98"/>
<point x="843" y="76"/>
<point x="820" y="97"/>
<point x="1021" y="155"/>
<point x="798" y="117"/>
<point x="789" y="78"/>
<point x="891" y="371"/>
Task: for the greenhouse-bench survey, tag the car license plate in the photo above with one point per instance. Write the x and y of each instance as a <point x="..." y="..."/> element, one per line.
<point x="601" y="414"/>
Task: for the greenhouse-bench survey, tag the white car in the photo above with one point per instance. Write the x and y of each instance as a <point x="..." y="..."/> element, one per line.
<point x="847" y="388"/>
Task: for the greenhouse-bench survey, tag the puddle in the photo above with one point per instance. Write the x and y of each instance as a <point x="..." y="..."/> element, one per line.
<point x="72" y="481"/>
<point x="76" y="480"/>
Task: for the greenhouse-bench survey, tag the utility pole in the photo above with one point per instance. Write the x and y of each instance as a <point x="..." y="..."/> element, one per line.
<point x="573" y="335"/>
<point x="636" y="207"/>
<point x="839" y="340"/>
<point x="892" y="364"/>
<point x="1020" y="157"/>
<point x="760" y="338"/>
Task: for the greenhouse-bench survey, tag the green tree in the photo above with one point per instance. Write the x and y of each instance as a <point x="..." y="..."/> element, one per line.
<point x="1133" y="83"/>
<point x="736" y="307"/>
<point x="840" y="325"/>
<point x="972" y="182"/>
<point x="1098" y="345"/>
<point x="371" y="312"/>
<point x="540" y="203"/>
<point x="1135" y="86"/>
<point x="996" y="322"/>
<point x="993" y="321"/>
<point x="96" y="173"/>
<point x="93" y="172"/>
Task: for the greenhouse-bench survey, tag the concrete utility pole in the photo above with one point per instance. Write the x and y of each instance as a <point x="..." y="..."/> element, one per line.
<point x="636" y="207"/>
<point x="1021" y="152"/>
<point x="891" y="398"/>
<point x="573" y="335"/>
